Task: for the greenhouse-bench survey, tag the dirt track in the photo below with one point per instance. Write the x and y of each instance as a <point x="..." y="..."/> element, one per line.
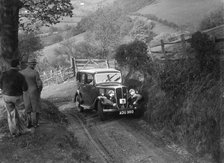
<point x="120" y="139"/>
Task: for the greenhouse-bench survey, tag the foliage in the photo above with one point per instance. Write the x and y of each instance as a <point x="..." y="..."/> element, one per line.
<point x="166" y="37"/>
<point x="133" y="59"/>
<point x="44" y="65"/>
<point x="78" y="50"/>
<point x="86" y="50"/>
<point x="60" y="60"/>
<point x="72" y="31"/>
<point x="36" y="13"/>
<point x="185" y="106"/>
<point x="133" y="55"/>
<point x="206" y="54"/>
<point x="52" y="29"/>
<point x="142" y="30"/>
<point x="126" y="26"/>
<point x="214" y="19"/>
<point x="66" y="48"/>
<point x="106" y="28"/>
<point x="56" y="38"/>
<point x="160" y="20"/>
<point x="29" y="44"/>
<point x="86" y="23"/>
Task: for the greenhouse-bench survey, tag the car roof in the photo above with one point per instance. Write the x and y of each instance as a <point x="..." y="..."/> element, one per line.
<point x="99" y="70"/>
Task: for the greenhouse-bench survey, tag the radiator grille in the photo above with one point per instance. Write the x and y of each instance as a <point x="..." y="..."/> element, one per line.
<point x="121" y="93"/>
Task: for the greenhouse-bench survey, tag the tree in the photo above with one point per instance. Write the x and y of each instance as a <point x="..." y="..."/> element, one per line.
<point x="44" y="12"/>
<point x="66" y="48"/>
<point x="134" y="56"/>
<point x="86" y="50"/>
<point x="9" y="16"/>
<point x="206" y="55"/>
<point x="142" y="30"/>
<point x="78" y="50"/>
<point x="29" y="44"/>
<point x="105" y="31"/>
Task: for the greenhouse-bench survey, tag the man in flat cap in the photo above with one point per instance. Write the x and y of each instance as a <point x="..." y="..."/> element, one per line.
<point x="32" y="96"/>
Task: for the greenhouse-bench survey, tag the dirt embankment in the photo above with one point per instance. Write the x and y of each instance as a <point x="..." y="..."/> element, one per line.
<point x="51" y="142"/>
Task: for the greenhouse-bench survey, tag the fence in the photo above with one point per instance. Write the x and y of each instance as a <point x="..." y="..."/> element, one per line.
<point x="216" y="33"/>
<point x="57" y="76"/>
<point x="63" y="74"/>
<point x="78" y="64"/>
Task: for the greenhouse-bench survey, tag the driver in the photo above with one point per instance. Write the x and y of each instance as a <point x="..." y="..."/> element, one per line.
<point x="111" y="98"/>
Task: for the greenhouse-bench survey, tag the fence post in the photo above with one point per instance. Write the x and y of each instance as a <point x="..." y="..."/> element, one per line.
<point x="73" y="66"/>
<point x="107" y="64"/>
<point x="183" y="43"/>
<point x="163" y="49"/>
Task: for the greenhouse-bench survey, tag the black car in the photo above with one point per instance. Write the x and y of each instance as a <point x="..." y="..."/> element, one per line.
<point x="102" y="90"/>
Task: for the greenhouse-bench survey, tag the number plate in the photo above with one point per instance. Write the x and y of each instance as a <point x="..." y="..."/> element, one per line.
<point x="123" y="112"/>
<point x="122" y="101"/>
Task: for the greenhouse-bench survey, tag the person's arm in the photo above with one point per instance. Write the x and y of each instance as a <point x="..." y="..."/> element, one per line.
<point x="137" y="97"/>
<point x="25" y="85"/>
<point x="39" y="82"/>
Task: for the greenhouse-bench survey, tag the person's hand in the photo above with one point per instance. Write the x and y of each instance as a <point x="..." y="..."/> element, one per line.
<point x="114" y="104"/>
<point x="134" y="103"/>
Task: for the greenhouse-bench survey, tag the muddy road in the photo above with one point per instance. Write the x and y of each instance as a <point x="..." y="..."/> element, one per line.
<point x="120" y="139"/>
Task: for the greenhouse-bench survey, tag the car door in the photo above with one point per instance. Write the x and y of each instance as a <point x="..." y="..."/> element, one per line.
<point x="90" y="87"/>
<point x="83" y="88"/>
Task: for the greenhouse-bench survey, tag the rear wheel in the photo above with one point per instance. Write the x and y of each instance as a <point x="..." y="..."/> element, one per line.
<point x="100" y="112"/>
<point x="80" y="108"/>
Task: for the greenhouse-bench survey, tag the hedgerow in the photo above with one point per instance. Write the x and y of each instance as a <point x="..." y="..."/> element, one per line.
<point x="184" y="101"/>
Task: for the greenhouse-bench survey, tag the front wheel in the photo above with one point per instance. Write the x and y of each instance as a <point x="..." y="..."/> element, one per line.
<point x="100" y="112"/>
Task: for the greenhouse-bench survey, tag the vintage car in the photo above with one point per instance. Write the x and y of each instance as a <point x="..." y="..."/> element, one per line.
<point x="102" y="90"/>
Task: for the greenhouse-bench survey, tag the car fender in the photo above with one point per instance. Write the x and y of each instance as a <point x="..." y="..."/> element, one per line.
<point x="77" y="94"/>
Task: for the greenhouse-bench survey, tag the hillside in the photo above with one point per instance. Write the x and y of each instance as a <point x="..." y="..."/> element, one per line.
<point x="82" y="8"/>
<point x="181" y="12"/>
<point x="48" y="51"/>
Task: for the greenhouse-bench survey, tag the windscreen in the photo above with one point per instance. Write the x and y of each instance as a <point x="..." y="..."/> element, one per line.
<point x="108" y="77"/>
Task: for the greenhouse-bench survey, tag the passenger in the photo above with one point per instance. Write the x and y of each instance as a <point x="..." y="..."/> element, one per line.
<point x="134" y="98"/>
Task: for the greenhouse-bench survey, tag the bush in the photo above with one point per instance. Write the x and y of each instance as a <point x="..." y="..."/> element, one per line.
<point x="53" y="29"/>
<point x="206" y="54"/>
<point x="56" y="38"/>
<point x="186" y="107"/>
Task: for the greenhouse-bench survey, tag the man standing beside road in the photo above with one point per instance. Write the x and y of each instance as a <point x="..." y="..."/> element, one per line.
<point x="32" y="96"/>
<point x="13" y="84"/>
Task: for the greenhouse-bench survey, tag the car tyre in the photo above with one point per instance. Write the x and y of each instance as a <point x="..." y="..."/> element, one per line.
<point x="100" y="112"/>
<point x="80" y="108"/>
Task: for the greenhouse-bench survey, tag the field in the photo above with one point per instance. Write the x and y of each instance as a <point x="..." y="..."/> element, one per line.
<point x="182" y="12"/>
<point x="48" y="51"/>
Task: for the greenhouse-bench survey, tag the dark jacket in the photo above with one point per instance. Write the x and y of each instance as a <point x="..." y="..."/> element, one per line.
<point x="13" y="83"/>
<point x="136" y="98"/>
